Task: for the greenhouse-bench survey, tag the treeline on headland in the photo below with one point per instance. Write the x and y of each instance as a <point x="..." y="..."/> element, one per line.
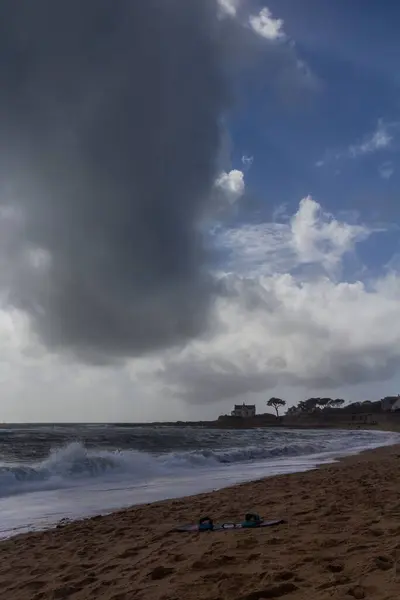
<point x="322" y="412"/>
<point x="336" y="406"/>
<point x="305" y="406"/>
<point x="309" y="413"/>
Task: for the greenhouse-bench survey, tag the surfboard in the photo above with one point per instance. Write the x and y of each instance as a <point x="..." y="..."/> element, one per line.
<point x="193" y="527"/>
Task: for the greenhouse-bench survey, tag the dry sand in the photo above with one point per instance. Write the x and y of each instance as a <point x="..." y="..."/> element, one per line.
<point x="341" y="541"/>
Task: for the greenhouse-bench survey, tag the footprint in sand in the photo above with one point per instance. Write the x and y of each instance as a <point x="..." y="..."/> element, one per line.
<point x="335" y="567"/>
<point x="384" y="563"/>
<point x="160" y="573"/>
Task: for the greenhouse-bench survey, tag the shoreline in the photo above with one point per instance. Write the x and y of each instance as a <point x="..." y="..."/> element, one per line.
<point x="340" y="541"/>
<point x="189" y="486"/>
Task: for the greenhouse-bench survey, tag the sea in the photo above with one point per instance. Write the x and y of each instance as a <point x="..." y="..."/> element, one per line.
<point x="50" y="473"/>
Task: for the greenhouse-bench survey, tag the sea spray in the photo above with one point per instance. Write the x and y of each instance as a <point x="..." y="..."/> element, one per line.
<point x="52" y="472"/>
<point x="74" y="463"/>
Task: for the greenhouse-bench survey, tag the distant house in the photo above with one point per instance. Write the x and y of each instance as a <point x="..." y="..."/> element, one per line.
<point x="244" y="410"/>
<point x="390" y="403"/>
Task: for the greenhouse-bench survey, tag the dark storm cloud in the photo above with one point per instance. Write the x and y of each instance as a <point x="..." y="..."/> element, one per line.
<point x="110" y="131"/>
<point x="203" y="381"/>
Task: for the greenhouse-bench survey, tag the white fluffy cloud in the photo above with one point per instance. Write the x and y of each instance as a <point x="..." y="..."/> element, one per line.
<point x="278" y="326"/>
<point x="319" y="238"/>
<point x="280" y="331"/>
<point x="265" y="25"/>
<point x="231" y="184"/>
<point x="311" y="236"/>
<point x="262" y="23"/>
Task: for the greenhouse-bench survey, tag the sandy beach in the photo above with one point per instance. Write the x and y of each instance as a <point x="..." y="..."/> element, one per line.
<point x="341" y="540"/>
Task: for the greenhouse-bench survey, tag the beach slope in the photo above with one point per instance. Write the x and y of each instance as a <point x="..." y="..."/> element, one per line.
<point x="341" y="541"/>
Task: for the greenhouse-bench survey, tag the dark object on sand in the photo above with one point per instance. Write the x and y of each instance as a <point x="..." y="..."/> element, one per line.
<point x="207" y="524"/>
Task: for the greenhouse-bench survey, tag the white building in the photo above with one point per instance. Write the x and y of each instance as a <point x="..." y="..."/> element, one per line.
<point x="244" y="410"/>
<point x="390" y="403"/>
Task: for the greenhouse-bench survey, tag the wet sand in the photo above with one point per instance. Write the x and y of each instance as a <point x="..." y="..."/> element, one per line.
<point x="341" y="541"/>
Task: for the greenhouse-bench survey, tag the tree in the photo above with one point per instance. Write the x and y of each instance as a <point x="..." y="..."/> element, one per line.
<point x="292" y="410"/>
<point x="308" y="405"/>
<point x="276" y="403"/>
<point x="323" y="402"/>
<point x="336" y="403"/>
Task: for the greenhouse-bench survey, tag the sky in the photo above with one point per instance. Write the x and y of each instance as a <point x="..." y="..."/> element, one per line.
<point x="198" y="206"/>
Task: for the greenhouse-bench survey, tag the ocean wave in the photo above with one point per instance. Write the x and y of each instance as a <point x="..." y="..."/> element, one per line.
<point x="73" y="463"/>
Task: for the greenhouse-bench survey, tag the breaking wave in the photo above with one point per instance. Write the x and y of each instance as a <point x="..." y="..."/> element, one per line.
<point x="73" y="463"/>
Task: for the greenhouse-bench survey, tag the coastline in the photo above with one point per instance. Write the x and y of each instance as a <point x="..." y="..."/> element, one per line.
<point x="341" y="541"/>
<point x="338" y="419"/>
